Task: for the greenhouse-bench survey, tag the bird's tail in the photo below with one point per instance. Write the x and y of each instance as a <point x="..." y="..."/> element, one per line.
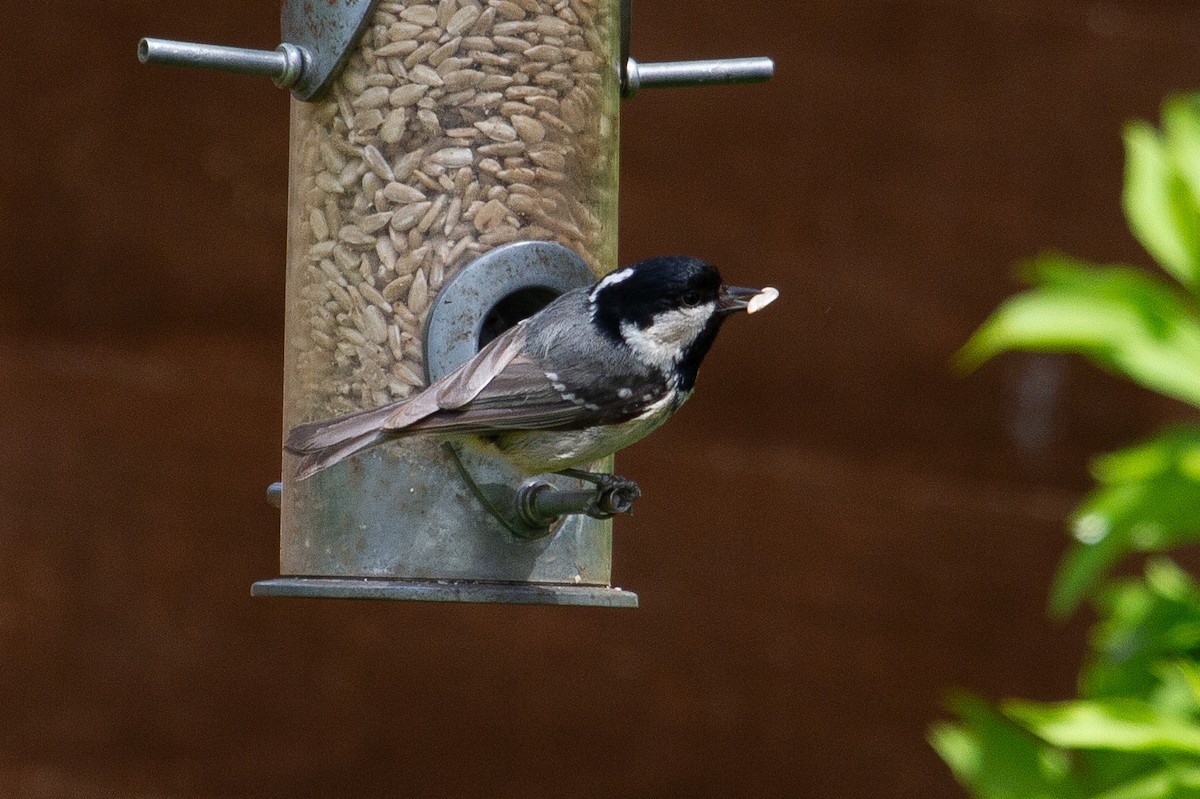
<point x="324" y="443"/>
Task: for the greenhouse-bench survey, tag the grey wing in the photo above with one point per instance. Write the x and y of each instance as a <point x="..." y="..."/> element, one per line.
<point x="518" y="397"/>
<point x="459" y="387"/>
<point x="454" y="390"/>
<point x="506" y="388"/>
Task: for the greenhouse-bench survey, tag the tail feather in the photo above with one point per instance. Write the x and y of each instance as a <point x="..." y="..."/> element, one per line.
<point x="325" y="433"/>
<point x="324" y="443"/>
<point x="317" y="460"/>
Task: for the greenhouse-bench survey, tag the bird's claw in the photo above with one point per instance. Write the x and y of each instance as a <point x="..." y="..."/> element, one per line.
<point x="614" y="494"/>
<point x="614" y="499"/>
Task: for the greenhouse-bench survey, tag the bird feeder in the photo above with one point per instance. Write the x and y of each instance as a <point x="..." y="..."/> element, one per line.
<point x="453" y="169"/>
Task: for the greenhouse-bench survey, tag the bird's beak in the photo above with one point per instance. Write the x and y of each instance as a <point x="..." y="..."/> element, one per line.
<point x="731" y="299"/>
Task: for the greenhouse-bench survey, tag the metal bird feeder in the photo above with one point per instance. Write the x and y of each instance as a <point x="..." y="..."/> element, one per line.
<point x="453" y="168"/>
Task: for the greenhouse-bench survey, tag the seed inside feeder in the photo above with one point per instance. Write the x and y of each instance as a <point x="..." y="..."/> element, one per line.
<point x="455" y="127"/>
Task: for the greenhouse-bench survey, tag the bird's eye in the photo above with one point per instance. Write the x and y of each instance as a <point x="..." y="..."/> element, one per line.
<point x="691" y="298"/>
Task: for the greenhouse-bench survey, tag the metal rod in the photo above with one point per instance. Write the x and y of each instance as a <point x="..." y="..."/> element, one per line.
<point x="696" y="73"/>
<point x="284" y="65"/>
<point x="544" y="503"/>
<point x="539" y="504"/>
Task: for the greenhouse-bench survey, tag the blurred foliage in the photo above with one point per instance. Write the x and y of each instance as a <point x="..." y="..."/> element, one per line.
<point x="1134" y="730"/>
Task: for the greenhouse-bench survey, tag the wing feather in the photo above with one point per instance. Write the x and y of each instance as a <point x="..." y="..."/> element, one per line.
<point x="522" y="397"/>
<point x="464" y="384"/>
<point x="461" y="385"/>
<point x="503" y="388"/>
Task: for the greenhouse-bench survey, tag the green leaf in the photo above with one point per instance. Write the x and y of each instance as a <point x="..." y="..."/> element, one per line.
<point x="1189" y="671"/>
<point x="1084" y="564"/>
<point x="1146" y="625"/>
<point x="1148" y="501"/>
<point x="1162" y="784"/>
<point x="1126" y="725"/>
<point x="997" y="759"/>
<point x="1181" y="124"/>
<point x="1121" y="319"/>
<point x="1158" y="205"/>
<point x="1175" y="694"/>
<point x="1135" y="734"/>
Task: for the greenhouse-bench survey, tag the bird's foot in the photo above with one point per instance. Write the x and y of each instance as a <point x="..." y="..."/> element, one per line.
<point x="614" y="494"/>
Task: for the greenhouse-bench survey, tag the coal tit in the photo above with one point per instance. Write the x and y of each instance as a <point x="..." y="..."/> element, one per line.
<point x="591" y="373"/>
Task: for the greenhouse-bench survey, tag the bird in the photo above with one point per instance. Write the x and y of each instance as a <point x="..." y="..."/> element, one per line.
<point x="595" y="370"/>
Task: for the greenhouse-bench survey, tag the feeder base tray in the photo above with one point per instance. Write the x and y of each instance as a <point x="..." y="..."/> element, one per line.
<point x="445" y="591"/>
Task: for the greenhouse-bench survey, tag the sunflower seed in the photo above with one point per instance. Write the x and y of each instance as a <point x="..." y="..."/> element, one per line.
<point x="393" y="126"/>
<point x="377" y="163"/>
<point x="445" y="51"/>
<point x="459" y="125"/>
<point x="420" y="15"/>
<point x="408" y="94"/>
<point x="316" y="221"/>
<point x="394" y="290"/>
<point x="374" y="97"/>
<point x="453" y="157"/>
<point x="418" y="293"/>
<point x="463" y="20"/>
<point x="508" y="10"/>
<point x="528" y="128"/>
<point x="408" y="216"/>
<point x="402" y="193"/>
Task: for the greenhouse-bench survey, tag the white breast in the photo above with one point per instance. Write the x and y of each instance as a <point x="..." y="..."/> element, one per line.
<point x="542" y="451"/>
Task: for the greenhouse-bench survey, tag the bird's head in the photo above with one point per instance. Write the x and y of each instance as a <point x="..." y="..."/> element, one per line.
<point x="667" y="310"/>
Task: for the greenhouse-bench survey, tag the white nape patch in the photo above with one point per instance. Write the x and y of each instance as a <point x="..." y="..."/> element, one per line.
<point x="762" y="299"/>
<point x="615" y="277"/>
<point x="668" y="335"/>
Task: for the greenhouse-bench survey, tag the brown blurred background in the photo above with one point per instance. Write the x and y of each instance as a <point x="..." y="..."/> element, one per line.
<point x="835" y="531"/>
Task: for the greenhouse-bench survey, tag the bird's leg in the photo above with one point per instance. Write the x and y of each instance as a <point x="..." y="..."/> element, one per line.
<point x="614" y="494"/>
<point x="598" y="479"/>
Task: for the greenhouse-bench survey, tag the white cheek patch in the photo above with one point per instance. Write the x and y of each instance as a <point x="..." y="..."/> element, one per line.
<point x="615" y="277"/>
<point x="668" y="335"/>
<point x="762" y="299"/>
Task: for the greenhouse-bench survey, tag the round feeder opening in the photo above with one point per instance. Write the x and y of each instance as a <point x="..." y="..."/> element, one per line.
<point x="513" y="308"/>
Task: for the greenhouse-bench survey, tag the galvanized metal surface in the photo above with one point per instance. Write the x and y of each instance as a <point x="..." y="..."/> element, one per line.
<point x="402" y="511"/>
<point x="457" y="317"/>
<point x="327" y="31"/>
<point x="446" y="591"/>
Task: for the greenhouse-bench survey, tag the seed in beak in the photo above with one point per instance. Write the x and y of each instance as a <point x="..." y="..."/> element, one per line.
<point x="762" y="299"/>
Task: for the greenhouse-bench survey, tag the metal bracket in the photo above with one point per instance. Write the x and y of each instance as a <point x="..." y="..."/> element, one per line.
<point x="317" y="40"/>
